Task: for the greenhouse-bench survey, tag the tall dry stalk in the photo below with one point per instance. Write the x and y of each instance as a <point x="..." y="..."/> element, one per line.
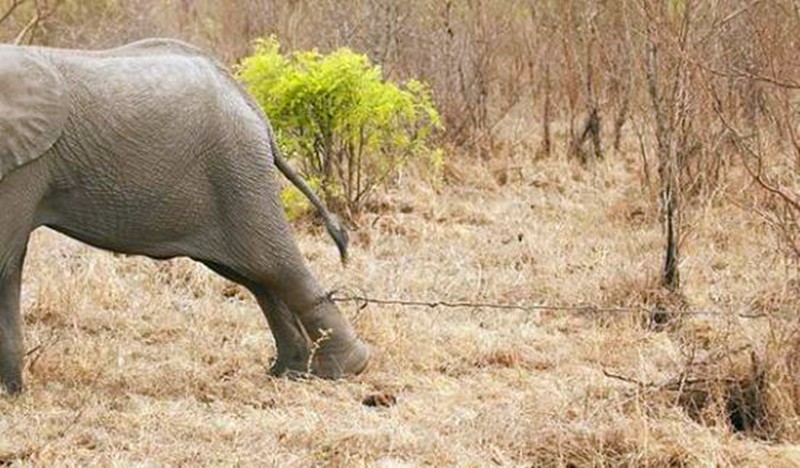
<point x="668" y="96"/>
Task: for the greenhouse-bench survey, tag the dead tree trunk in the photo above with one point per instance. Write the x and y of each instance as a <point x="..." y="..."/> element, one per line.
<point x="590" y="131"/>
<point x="592" y="124"/>
<point x="547" y="143"/>
<point x="667" y="152"/>
<point x="625" y="49"/>
<point x="622" y="114"/>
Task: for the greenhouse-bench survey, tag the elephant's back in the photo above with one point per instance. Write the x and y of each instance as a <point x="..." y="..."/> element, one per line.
<point x="164" y="111"/>
<point x="143" y="80"/>
<point x="160" y="99"/>
<point x="161" y="84"/>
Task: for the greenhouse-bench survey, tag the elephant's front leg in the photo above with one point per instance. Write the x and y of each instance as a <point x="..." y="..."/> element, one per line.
<point x="11" y="343"/>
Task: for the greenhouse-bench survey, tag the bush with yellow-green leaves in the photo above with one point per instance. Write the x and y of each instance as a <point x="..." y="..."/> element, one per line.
<point x="350" y="130"/>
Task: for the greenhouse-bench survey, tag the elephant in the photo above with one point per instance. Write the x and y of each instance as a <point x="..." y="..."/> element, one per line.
<point x="153" y="148"/>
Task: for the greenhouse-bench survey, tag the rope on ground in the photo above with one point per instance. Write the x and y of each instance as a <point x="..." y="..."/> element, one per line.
<point x="362" y="301"/>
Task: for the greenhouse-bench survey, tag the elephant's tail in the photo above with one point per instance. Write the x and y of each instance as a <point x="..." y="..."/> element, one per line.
<point x="332" y="223"/>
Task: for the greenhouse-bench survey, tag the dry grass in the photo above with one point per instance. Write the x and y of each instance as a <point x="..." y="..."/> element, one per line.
<point x="137" y="361"/>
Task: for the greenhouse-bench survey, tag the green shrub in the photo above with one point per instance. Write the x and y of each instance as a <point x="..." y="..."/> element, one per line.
<point x="349" y="128"/>
<point x="294" y="202"/>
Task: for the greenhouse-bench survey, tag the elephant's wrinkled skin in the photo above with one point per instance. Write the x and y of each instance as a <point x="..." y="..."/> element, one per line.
<point x="153" y="149"/>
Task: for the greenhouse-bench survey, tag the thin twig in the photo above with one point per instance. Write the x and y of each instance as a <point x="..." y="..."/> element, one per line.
<point x="28" y="27"/>
<point x="7" y="14"/>
<point x="724" y="21"/>
<point x="758" y="175"/>
<point x="682" y="381"/>
<point x="38" y="350"/>
<point x="39" y="17"/>
<point x="625" y="379"/>
<point x="362" y="301"/>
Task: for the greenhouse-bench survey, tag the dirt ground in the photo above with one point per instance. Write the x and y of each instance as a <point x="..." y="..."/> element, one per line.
<point x="134" y="361"/>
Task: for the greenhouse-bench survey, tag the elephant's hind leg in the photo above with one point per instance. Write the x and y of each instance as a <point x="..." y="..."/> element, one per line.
<point x="333" y="353"/>
<point x="307" y="325"/>
<point x="311" y="334"/>
<point x="299" y="308"/>
<point x="291" y="341"/>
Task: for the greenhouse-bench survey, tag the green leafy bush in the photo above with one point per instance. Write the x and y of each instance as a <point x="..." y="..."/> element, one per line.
<point x="349" y="128"/>
<point x="295" y="204"/>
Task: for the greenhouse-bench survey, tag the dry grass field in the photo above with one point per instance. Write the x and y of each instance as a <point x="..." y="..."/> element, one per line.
<point x="134" y="361"/>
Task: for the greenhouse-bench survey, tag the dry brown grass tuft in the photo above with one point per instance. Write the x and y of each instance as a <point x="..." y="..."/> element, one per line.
<point x="138" y="361"/>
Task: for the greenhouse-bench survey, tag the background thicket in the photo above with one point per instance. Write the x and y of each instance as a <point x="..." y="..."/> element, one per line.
<point x="700" y="88"/>
<point x="619" y="152"/>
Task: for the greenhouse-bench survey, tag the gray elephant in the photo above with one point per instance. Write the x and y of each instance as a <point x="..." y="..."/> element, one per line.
<point x="154" y="149"/>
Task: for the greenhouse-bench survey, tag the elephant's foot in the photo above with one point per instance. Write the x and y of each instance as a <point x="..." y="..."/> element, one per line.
<point x="334" y="361"/>
<point x="10" y="365"/>
<point x="11" y="379"/>
<point x="13" y="388"/>
<point x="340" y="359"/>
<point x="295" y="366"/>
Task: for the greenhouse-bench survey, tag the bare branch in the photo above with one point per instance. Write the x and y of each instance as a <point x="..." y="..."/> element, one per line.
<point x="10" y="11"/>
<point x="625" y="379"/>
<point x="724" y="21"/>
<point x="28" y="28"/>
<point x="737" y="73"/>
<point x="41" y="15"/>
<point x="757" y="175"/>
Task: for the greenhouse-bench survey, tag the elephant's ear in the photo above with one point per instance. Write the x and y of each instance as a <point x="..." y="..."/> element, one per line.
<point x="33" y="109"/>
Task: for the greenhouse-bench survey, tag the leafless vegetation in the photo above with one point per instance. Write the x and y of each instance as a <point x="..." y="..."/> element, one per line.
<point x="622" y="153"/>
